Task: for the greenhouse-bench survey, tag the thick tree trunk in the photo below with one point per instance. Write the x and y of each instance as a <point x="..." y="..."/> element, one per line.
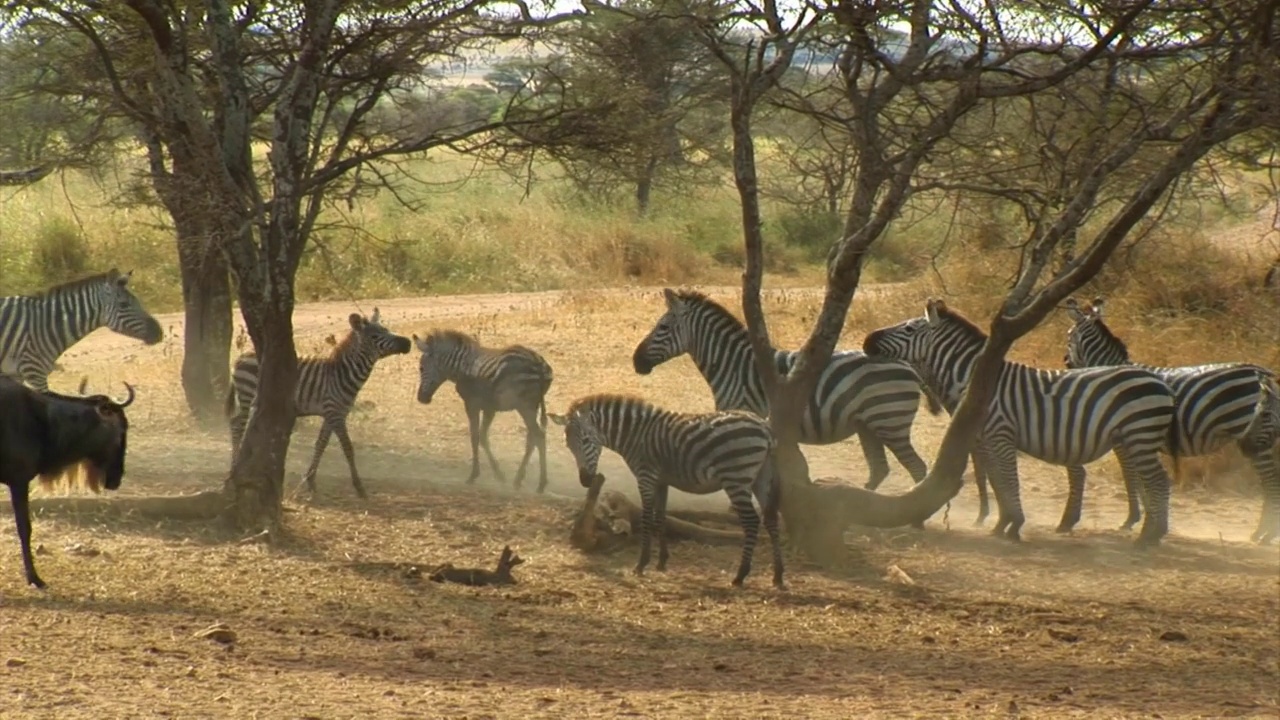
<point x="644" y="187"/>
<point x="206" y="300"/>
<point x="255" y="487"/>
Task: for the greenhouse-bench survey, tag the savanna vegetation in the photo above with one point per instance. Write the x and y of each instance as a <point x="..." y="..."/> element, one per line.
<point x="265" y="168"/>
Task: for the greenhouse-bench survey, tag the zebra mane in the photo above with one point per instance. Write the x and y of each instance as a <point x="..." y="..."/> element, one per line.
<point x="71" y="285"/>
<point x="633" y="401"/>
<point x="456" y="337"/>
<point x="968" y="326"/>
<point x="698" y="298"/>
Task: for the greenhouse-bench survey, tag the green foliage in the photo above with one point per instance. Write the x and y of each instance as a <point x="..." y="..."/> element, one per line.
<point x="60" y="251"/>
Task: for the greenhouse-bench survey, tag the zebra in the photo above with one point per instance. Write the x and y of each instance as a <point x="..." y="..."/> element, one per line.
<point x="1215" y="406"/>
<point x="873" y="398"/>
<point x="698" y="453"/>
<point x="327" y="387"/>
<point x="1065" y="417"/>
<point x="36" y="329"/>
<point x="490" y="381"/>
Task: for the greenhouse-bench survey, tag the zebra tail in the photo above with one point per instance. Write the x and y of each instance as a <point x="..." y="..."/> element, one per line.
<point x="229" y="404"/>
<point x="934" y="404"/>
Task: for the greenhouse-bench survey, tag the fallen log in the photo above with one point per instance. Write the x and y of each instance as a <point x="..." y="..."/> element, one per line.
<point x="609" y="520"/>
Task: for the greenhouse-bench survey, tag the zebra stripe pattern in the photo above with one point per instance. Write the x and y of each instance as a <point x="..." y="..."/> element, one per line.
<point x="697" y="453"/>
<point x="873" y="398"/>
<point x="1064" y="417"/>
<point x="490" y="381"/>
<point x="36" y="329"/>
<point x="327" y="387"/>
<point x="1216" y="404"/>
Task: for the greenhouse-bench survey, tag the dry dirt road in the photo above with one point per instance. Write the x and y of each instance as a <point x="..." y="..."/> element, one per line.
<point x="330" y="622"/>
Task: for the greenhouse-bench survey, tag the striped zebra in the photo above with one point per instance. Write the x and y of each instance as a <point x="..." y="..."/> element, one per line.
<point x="36" y="329"/>
<point x="490" y="381"/>
<point x="327" y="387"/>
<point x="873" y="398"/>
<point x="1064" y="417"/>
<point x="1215" y="406"/>
<point x="698" y="453"/>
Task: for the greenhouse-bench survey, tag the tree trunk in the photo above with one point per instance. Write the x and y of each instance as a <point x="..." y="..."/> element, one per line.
<point x="206" y="299"/>
<point x="256" y="484"/>
<point x="644" y="187"/>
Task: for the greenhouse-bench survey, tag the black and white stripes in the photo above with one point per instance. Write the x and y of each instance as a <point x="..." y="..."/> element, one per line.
<point x="873" y="398"/>
<point x="697" y="453"/>
<point x="490" y="381"/>
<point x="1215" y="405"/>
<point x="36" y="329"/>
<point x="327" y="387"/>
<point x="1065" y="417"/>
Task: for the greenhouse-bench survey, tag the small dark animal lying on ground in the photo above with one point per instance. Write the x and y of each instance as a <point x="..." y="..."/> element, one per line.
<point x="478" y="577"/>
<point x="81" y="440"/>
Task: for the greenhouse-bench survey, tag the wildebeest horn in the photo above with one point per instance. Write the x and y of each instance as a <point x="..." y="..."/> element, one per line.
<point x="129" y="400"/>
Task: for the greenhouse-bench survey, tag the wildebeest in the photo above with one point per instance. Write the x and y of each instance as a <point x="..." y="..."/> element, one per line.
<point x="52" y="437"/>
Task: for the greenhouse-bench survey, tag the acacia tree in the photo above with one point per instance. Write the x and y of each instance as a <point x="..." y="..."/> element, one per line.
<point x="1181" y="80"/>
<point x="647" y="101"/>
<point x="213" y="78"/>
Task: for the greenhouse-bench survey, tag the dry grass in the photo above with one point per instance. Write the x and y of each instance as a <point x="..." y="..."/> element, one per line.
<point x="328" y="624"/>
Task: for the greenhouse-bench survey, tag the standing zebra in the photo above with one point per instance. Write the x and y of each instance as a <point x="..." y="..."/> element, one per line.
<point x="327" y="387"/>
<point x="1065" y="417"/>
<point x="36" y="329"/>
<point x="873" y="398"/>
<point x="697" y="453"/>
<point x="1215" y="405"/>
<point x="490" y="381"/>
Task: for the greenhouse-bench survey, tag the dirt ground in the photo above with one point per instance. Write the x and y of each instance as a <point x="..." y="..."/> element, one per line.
<point x="329" y="623"/>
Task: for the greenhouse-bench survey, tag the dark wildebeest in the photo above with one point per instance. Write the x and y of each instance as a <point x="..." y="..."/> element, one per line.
<point x="52" y="436"/>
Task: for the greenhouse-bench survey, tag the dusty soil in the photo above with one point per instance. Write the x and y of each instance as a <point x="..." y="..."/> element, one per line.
<point x="328" y="622"/>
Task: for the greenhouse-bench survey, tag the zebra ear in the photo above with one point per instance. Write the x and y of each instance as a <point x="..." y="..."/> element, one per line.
<point x="375" y="316"/>
<point x="1073" y="310"/>
<point x="419" y="343"/>
<point x="931" y="308"/>
<point x="670" y="296"/>
<point x="558" y="419"/>
<point x="356" y="321"/>
<point x="1097" y="307"/>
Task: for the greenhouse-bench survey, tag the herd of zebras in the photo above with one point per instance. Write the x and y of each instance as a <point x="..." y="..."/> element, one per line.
<point x="1102" y="403"/>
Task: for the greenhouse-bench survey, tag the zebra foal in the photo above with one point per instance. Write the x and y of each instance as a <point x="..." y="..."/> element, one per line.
<point x="327" y="387"/>
<point x="1064" y="417"/>
<point x="1216" y="404"/>
<point x="698" y="453"/>
<point x="490" y="381"/>
<point x="36" y="329"/>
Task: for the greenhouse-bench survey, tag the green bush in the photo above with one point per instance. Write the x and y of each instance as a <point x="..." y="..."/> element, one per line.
<point x="60" y="251"/>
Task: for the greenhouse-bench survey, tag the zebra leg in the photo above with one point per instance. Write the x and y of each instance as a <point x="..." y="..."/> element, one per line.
<point x="648" y="485"/>
<point x="1264" y="464"/>
<point x="340" y="429"/>
<point x="531" y="433"/>
<point x="1075" y="498"/>
<point x="877" y="461"/>
<point x="659" y="525"/>
<point x="1004" y="482"/>
<point x="1133" y="494"/>
<point x="1145" y="467"/>
<point x="486" y="422"/>
<point x="767" y="492"/>
<point x="473" y="425"/>
<point x="980" y="479"/>
<point x="237" y="423"/>
<point x="309" y="477"/>
<point x="740" y="497"/>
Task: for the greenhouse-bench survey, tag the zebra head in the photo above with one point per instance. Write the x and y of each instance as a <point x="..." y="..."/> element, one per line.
<point x="909" y="340"/>
<point x="669" y="338"/>
<point x="441" y="350"/>
<point x="1090" y="343"/>
<point x="584" y="440"/>
<point x="374" y="340"/>
<point x="123" y="312"/>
